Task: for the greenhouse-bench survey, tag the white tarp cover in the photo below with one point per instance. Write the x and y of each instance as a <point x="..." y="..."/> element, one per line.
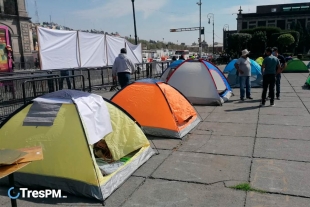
<point x="134" y="52"/>
<point x="92" y="109"/>
<point x="114" y="46"/>
<point x="92" y="49"/>
<point x="58" y="49"/>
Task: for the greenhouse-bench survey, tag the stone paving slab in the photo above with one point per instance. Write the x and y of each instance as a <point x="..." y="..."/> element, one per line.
<point x="287" y="89"/>
<point x="152" y="164"/>
<point x="307" y="104"/>
<point x="159" y="193"/>
<point x="305" y="99"/>
<point x="164" y="143"/>
<point x="268" y="200"/>
<point x="288" y="95"/>
<point x="304" y="94"/>
<point x="283" y="111"/>
<point x="228" y="129"/>
<point x="225" y="145"/>
<point x="280" y="176"/>
<point x="283" y="132"/>
<point x="289" y="98"/>
<point x="285" y="120"/>
<point x="116" y="199"/>
<point x="203" y="168"/>
<point x="297" y="150"/>
<point x="238" y="103"/>
<point x="205" y="109"/>
<point x="232" y="118"/>
<point x="237" y="109"/>
<point x="288" y="104"/>
<point x="203" y="115"/>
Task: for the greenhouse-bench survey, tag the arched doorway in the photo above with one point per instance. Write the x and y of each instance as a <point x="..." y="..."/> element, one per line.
<point x="6" y="60"/>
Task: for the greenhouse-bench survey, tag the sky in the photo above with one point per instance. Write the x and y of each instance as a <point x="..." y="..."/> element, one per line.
<point x="154" y="18"/>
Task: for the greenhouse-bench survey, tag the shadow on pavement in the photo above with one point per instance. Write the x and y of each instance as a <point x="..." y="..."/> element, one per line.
<point x="243" y="109"/>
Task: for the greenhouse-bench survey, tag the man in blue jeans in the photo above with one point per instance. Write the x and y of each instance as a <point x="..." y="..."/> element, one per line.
<point x="278" y="76"/>
<point x="270" y="68"/>
<point x="243" y="67"/>
<point x="123" y="67"/>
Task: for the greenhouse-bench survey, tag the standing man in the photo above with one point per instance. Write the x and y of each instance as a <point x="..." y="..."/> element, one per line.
<point x="270" y="68"/>
<point x="123" y="67"/>
<point x="243" y="66"/>
<point x="283" y="65"/>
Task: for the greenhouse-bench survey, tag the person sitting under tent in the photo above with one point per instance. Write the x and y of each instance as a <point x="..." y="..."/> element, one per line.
<point x="123" y="67"/>
<point x="243" y="66"/>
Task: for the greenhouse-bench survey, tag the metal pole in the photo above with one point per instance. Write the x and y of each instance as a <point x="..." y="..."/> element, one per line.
<point x="134" y="20"/>
<point x="200" y="46"/>
<point x="213" y="34"/>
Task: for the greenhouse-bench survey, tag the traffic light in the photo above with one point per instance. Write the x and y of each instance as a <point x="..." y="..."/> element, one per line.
<point x="203" y="31"/>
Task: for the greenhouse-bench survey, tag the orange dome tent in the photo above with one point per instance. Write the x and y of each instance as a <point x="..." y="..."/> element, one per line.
<point x="158" y="107"/>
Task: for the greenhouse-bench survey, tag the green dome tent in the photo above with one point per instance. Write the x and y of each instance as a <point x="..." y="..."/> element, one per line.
<point x="260" y="60"/>
<point x="307" y="84"/>
<point x="296" y="66"/>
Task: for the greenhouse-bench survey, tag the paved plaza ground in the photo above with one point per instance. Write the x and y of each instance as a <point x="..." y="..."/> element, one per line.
<point x="236" y="143"/>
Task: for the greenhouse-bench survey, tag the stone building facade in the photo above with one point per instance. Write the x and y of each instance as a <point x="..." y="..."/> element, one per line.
<point x="16" y="19"/>
<point x="281" y="15"/>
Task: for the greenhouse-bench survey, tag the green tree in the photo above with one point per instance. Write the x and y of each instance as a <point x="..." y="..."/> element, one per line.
<point x="258" y="42"/>
<point x="285" y="40"/>
<point x="238" y="41"/>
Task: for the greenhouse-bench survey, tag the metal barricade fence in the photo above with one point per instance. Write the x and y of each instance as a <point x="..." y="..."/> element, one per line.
<point x="11" y="96"/>
<point x="34" y="88"/>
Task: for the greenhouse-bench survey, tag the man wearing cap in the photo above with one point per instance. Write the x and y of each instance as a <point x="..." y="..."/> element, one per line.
<point x="270" y="68"/>
<point x="243" y="66"/>
<point x="278" y="76"/>
<point x="123" y="67"/>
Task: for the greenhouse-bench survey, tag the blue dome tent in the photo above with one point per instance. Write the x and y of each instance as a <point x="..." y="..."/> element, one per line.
<point x="171" y="68"/>
<point x="233" y="80"/>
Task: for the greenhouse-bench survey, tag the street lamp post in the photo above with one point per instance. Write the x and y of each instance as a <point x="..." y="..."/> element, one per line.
<point x="210" y="15"/>
<point x="134" y="20"/>
<point x="200" y="46"/>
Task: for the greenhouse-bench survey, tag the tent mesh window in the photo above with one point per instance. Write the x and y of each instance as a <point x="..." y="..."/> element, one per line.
<point x="42" y="114"/>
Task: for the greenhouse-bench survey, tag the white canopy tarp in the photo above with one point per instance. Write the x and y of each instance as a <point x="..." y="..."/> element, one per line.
<point x="58" y="49"/>
<point x="92" y="109"/>
<point x="114" y="46"/>
<point x="134" y="52"/>
<point x="92" y="49"/>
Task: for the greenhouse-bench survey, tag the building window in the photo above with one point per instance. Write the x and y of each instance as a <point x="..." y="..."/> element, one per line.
<point x="274" y="10"/>
<point x="252" y="24"/>
<point x="287" y="8"/>
<point x="10" y="7"/>
<point x="244" y="25"/>
<point x="261" y="23"/>
<point x="289" y="23"/>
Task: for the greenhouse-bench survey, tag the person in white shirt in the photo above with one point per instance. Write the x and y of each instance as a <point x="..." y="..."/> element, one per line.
<point x="243" y="66"/>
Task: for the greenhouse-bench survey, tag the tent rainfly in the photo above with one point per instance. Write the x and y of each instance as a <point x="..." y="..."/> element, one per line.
<point x="233" y="80"/>
<point x="158" y="107"/>
<point x="201" y="82"/>
<point x="296" y="66"/>
<point x="90" y="145"/>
